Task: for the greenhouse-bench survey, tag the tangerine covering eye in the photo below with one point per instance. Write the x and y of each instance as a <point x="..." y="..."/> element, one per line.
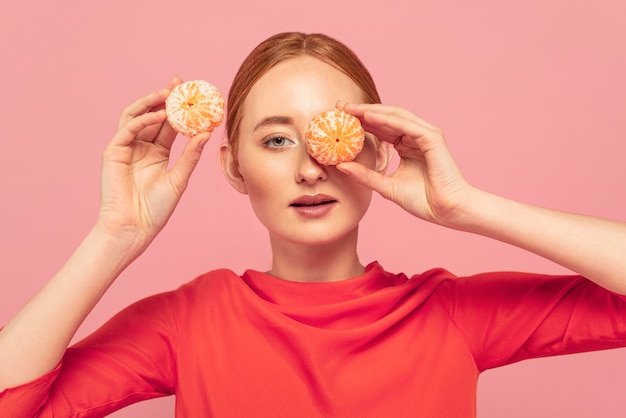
<point x="334" y="137"/>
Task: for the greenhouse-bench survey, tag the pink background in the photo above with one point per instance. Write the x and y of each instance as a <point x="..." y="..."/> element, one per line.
<point x="531" y="95"/>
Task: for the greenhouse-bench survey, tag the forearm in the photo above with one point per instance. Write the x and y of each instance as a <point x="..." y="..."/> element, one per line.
<point x="34" y="341"/>
<point x="592" y="247"/>
<point x="429" y="185"/>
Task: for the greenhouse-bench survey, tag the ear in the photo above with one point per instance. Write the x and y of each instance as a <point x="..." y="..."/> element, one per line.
<point x="230" y="168"/>
<point x="384" y="154"/>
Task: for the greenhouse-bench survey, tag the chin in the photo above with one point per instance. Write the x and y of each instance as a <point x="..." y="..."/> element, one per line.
<point x="320" y="238"/>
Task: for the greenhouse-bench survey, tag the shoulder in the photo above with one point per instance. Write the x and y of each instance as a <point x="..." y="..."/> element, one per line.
<point x="177" y="300"/>
<point x="487" y="287"/>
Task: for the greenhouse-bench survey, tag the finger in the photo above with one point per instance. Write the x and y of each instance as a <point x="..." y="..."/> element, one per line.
<point x="403" y="118"/>
<point x="375" y="119"/>
<point x="166" y="135"/>
<point x="183" y="168"/>
<point x="162" y="135"/>
<point x="173" y="83"/>
<point x="359" y="109"/>
<point x="176" y="80"/>
<point x="404" y="134"/>
<point x="142" y="105"/>
<point x="130" y="130"/>
<point x="388" y="127"/>
<point x="152" y="101"/>
<point x="359" y="112"/>
<point x="369" y="178"/>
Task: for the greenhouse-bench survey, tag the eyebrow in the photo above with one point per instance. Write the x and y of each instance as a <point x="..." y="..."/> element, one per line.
<point x="274" y="120"/>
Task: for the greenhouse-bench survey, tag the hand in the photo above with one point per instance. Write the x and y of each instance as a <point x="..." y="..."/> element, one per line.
<point x="427" y="182"/>
<point x="138" y="191"/>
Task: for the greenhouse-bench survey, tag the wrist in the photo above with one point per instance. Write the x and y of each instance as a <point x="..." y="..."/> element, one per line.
<point x="124" y="244"/>
<point x="472" y="213"/>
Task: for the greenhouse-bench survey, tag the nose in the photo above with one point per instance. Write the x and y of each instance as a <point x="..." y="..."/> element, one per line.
<point x="309" y="170"/>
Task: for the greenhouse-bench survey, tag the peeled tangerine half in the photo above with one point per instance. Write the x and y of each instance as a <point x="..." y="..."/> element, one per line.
<point x="193" y="107"/>
<point x="334" y="137"/>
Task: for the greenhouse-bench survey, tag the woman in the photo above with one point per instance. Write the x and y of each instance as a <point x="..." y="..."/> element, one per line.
<point x="321" y="333"/>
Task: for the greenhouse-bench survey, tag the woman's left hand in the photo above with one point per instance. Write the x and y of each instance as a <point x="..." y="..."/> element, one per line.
<point x="427" y="182"/>
<point x="429" y="185"/>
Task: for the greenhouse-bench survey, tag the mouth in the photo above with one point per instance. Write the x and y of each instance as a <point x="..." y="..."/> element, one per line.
<point x="312" y="201"/>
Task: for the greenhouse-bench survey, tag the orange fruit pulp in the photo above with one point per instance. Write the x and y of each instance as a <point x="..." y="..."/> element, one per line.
<point x="334" y="137"/>
<point x="194" y="106"/>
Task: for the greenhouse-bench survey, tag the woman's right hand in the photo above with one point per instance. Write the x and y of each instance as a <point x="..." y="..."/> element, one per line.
<point x="139" y="192"/>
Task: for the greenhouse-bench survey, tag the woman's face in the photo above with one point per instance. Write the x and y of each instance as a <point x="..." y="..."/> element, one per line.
<point x="296" y="198"/>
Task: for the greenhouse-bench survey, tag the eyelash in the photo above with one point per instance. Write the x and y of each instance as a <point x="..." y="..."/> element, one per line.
<point x="270" y="142"/>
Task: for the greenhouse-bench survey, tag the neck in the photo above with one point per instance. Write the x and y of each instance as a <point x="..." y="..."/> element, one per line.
<point x="334" y="261"/>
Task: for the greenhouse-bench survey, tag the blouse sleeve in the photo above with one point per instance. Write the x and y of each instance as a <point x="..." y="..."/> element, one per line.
<point x="508" y="317"/>
<point x="129" y="359"/>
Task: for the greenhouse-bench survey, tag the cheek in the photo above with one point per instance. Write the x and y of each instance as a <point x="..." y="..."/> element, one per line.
<point x="357" y="196"/>
<point x="263" y="177"/>
<point x="258" y="184"/>
<point x="261" y="191"/>
<point x="363" y="196"/>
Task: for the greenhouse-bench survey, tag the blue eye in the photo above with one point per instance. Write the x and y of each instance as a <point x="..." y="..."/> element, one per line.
<point x="277" y="142"/>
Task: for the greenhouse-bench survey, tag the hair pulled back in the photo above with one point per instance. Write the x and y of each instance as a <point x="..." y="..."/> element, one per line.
<point x="281" y="47"/>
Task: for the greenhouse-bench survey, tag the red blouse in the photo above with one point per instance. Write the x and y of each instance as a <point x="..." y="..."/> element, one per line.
<point x="377" y="345"/>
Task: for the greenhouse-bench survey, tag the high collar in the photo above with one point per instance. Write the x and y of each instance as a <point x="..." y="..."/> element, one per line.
<point x="290" y="293"/>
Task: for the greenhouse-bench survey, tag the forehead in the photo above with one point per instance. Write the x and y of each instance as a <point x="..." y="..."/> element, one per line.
<point x="300" y="88"/>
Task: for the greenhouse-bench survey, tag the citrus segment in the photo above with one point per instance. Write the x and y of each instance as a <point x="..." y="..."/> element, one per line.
<point x="193" y="107"/>
<point x="334" y="137"/>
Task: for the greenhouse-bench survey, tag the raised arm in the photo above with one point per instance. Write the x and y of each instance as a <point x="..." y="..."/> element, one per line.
<point x="429" y="185"/>
<point x="138" y="195"/>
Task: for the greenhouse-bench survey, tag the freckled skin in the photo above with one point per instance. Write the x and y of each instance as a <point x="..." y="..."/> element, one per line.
<point x="299" y="89"/>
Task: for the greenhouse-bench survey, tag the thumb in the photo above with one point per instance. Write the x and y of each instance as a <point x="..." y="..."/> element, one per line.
<point x="366" y="177"/>
<point x="189" y="158"/>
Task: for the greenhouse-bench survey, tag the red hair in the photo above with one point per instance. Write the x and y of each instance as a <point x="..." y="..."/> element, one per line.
<point x="281" y="47"/>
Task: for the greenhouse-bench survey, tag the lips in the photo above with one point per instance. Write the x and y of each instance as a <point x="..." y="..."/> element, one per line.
<point x="313" y="206"/>
<point x="312" y="200"/>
